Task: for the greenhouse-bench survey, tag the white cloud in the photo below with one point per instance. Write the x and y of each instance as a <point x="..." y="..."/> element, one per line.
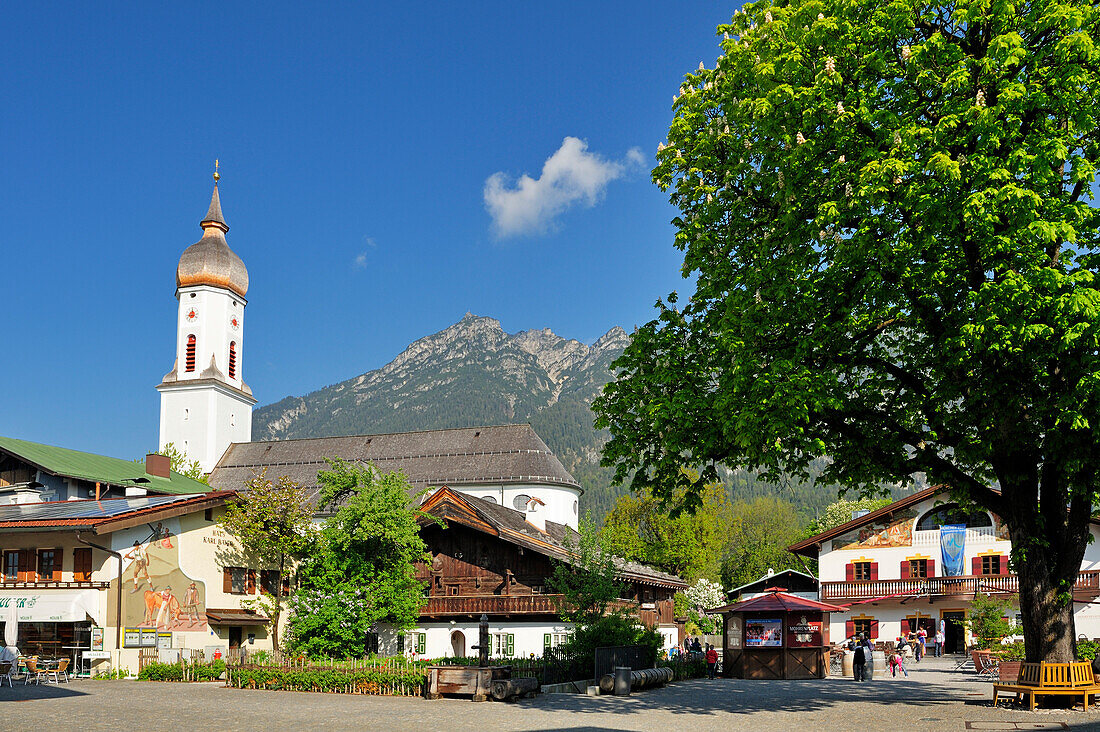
<point x="361" y="258"/>
<point x="571" y="175"/>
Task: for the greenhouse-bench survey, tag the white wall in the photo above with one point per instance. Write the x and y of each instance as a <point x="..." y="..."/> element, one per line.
<point x="562" y="502"/>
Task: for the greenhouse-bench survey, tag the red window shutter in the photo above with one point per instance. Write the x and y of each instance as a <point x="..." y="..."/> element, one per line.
<point x="82" y="564"/>
<point x="251" y="582"/>
<point x="874" y="571"/>
<point x="227" y="581"/>
<point x="849" y="628"/>
<point x="849" y="572"/>
<point x="1004" y="564"/>
<point x="905" y="569"/>
<point x="874" y="630"/>
<point x="57" y="564"/>
<point x="931" y="568"/>
<point x="976" y="565"/>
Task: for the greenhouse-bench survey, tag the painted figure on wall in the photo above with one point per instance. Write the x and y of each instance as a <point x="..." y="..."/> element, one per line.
<point x="153" y="578"/>
<point x="898" y="532"/>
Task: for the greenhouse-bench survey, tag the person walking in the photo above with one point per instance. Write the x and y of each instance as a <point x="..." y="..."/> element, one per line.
<point x="922" y="639"/>
<point x="712" y="661"/>
<point x="940" y="640"/>
<point x="859" y="660"/>
<point x="869" y="658"/>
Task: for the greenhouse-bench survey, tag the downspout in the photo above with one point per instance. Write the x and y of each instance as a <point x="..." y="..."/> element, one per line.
<point x="118" y="613"/>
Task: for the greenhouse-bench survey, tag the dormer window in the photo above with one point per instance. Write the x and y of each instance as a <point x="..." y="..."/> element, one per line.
<point x="189" y="360"/>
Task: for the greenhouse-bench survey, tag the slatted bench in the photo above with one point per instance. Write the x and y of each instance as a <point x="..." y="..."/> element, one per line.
<point x="1050" y="679"/>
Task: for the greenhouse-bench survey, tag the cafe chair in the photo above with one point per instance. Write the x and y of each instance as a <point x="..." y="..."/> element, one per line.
<point x="5" y="672"/>
<point x="62" y="671"/>
<point x="33" y="672"/>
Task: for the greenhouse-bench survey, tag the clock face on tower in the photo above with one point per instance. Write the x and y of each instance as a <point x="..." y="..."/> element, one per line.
<point x="234" y="322"/>
<point x="192" y="314"/>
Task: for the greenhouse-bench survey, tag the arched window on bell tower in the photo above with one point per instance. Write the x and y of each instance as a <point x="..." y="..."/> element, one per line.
<point x="232" y="359"/>
<point x="189" y="361"/>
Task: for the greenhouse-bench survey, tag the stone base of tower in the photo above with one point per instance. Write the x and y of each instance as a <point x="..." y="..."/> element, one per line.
<point x="202" y="417"/>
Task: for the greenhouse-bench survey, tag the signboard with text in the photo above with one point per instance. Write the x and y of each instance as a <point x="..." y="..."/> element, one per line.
<point x="804" y="632"/>
<point x="97" y="639"/>
<point x="733" y="631"/>
<point x="131" y="637"/>
<point x="764" y="633"/>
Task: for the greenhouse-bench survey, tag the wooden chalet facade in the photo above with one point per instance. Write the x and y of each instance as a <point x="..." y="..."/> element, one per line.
<point x="492" y="560"/>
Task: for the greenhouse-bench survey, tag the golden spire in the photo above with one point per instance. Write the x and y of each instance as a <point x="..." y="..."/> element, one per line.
<point x="216" y="176"/>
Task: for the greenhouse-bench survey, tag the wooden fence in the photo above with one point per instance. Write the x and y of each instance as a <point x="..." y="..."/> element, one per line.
<point x="370" y="676"/>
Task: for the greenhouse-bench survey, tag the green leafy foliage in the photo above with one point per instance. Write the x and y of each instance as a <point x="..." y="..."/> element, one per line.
<point x="180" y="463"/>
<point x="988" y="619"/>
<point x="360" y="570"/>
<point x="885" y="209"/>
<point x="272" y="522"/>
<point x="760" y="533"/>
<point x="155" y="671"/>
<point x="841" y="512"/>
<point x="588" y="583"/>
<point x="614" y="629"/>
<point x="329" y="680"/>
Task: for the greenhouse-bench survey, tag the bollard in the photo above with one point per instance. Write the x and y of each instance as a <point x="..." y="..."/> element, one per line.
<point x="592" y="691"/>
<point x="622" y="680"/>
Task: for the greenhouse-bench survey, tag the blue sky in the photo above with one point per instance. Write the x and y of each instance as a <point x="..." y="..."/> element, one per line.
<point x="371" y="156"/>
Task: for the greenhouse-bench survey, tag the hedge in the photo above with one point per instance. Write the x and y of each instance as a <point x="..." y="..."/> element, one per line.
<point x="378" y="680"/>
<point x="155" y="671"/>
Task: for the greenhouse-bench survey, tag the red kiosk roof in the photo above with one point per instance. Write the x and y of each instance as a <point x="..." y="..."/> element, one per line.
<point x="778" y="601"/>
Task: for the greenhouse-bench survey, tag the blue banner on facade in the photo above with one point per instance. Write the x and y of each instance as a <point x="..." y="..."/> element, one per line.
<point x="953" y="544"/>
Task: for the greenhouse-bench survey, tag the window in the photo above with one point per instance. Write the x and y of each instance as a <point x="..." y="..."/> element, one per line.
<point x="862" y="625"/>
<point x="553" y="640"/>
<point x="861" y="571"/>
<point x="504" y="645"/>
<point x="452" y="590"/>
<point x="416" y="643"/>
<point x="189" y="360"/>
<point x="991" y="565"/>
<point x="272" y="582"/>
<point x="238" y="581"/>
<point x="11" y="566"/>
<point x="952" y="514"/>
<point x="48" y="566"/>
<point x="208" y="514"/>
<point x="520" y="502"/>
<point x="232" y="359"/>
<point x="490" y="499"/>
<point x="82" y="564"/>
<point x="918" y="568"/>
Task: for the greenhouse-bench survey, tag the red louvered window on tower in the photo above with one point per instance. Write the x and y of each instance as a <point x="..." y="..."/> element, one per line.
<point x="189" y="361"/>
<point x="233" y="359"/>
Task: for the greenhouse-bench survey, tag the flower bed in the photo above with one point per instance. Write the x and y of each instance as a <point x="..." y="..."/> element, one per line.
<point x="388" y="677"/>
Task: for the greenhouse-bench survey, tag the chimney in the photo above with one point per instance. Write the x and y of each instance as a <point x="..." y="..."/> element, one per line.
<point x="536" y="513"/>
<point x="158" y="465"/>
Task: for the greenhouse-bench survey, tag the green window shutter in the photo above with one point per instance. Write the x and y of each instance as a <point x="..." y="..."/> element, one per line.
<point x="421" y="642"/>
<point x="511" y="646"/>
<point x="545" y="640"/>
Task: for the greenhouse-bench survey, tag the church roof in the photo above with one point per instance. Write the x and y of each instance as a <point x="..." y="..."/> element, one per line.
<point x="210" y="261"/>
<point x="94" y="468"/>
<point x="455" y="457"/>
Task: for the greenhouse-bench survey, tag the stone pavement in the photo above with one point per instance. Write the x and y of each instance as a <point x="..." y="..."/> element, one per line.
<point x="932" y="698"/>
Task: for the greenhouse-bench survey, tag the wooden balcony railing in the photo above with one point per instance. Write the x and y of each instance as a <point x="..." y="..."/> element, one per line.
<point x="491" y="604"/>
<point x="49" y="584"/>
<point x="1088" y="584"/>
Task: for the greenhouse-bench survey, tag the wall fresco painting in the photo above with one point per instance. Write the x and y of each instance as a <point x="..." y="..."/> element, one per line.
<point x="897" y="531"/>
<point x="156" y="592"/>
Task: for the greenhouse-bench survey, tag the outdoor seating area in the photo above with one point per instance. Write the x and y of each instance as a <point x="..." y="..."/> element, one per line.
<point x="1050" y="679"/>
<point x="39" y="670"/>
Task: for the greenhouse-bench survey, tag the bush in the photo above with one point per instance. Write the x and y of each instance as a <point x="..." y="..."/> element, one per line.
<point x="324" y="679"/>
<point x="175" y="671"/>
<point x="988" y="621"/>
<point x="686" y="668"/>
<point x="1086" y="650"/>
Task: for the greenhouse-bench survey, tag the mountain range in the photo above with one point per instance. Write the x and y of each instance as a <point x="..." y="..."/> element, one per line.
<point x="472" y="374"/>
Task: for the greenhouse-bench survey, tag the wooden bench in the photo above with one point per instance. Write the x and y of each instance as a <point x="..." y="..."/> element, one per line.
<point x="1051" y="679"/>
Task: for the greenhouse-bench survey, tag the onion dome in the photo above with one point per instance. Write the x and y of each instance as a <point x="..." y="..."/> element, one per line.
<point x="210" y="261"/>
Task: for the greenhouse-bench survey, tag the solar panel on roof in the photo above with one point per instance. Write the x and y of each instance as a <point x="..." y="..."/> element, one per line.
<point x="87" y="509"/>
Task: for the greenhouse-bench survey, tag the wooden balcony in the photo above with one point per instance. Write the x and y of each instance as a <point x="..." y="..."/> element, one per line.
<point x="51" y="585"/>
<point x="1087" y="587"/>
<point x="451" y="605"/>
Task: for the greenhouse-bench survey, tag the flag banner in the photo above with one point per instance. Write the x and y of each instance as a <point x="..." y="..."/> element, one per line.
<point x="953" y="544"/>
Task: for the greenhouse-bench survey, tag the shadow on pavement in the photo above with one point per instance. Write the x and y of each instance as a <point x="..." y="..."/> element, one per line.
<point x="30" y="692"/>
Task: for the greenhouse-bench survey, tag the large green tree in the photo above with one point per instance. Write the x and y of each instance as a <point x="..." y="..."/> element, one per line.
<point x="885" y="206"/>
<point x="760" y="532"/>
<point x="360" y="572"/>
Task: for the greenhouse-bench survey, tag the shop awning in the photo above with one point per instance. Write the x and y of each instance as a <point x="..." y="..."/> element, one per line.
<point x="235" y="616"/>
<point x="50" y="606"/>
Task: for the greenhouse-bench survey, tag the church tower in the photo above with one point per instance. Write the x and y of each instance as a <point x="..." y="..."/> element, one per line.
<point x="204" y="403"/>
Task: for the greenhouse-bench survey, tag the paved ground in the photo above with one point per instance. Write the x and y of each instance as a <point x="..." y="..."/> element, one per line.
<point x="933" y="698"/>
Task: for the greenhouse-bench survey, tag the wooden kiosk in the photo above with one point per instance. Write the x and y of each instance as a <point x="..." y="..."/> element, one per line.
<point x="776" y="636"/>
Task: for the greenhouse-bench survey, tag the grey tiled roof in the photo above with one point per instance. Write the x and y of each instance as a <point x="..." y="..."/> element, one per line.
<point x="455" y="457"/>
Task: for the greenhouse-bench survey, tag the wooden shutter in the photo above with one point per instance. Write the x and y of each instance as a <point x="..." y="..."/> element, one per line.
<point x="421" y="643"/>
<point x="1004" y="564"/>
<point x="284" y="582"/>
<point x="874" y="630"/>
<point x="227" y="580"/>
<point x="905" y="569"/>
<point x="82" y="564"/>
<point x="849" y="628"/>
<point x="510" y="645"/>
<point x="26" y="565"/>
<point x="976" y="566"/>
<point x="251" y="587"/>
<point x="849" y="572"/>
<point x="874" y="571"/>
<point x="931" y="566"/>
<point x="545" y="640"/>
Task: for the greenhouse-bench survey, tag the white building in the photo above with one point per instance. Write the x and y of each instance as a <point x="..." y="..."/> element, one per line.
<point x="204" y="403"/>
<point x="888" y="567"/>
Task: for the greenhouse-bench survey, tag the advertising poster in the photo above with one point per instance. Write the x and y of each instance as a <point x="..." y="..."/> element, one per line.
<point x="804" y="633"/>
<point x="131" y="637"/>
<point x="763" y="633"/>
<point x="97" y="639"/>
<point x="148" y="637"/>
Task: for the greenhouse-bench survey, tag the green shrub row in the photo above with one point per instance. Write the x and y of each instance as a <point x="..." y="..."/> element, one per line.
<point x="176" y="671"/>
<point x="691" y="668"/>
<point x="368" y="680"/>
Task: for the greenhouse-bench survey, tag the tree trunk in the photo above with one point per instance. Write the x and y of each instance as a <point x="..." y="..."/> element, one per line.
<point x="1046" y="610"/>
